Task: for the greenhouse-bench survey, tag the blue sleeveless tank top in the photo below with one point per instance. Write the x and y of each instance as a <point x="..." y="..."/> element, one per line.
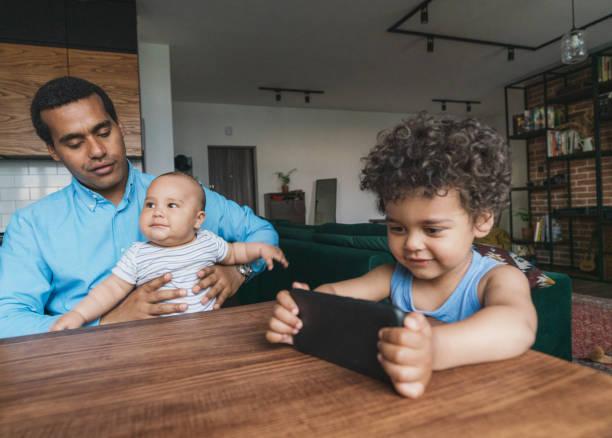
<point x="462" y="303"/>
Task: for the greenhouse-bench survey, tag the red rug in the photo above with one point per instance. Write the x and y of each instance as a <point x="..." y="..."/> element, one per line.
<point x="591" y="326"/>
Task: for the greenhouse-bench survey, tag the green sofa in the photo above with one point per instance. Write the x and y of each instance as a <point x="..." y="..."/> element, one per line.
<point x="331" y="252"/>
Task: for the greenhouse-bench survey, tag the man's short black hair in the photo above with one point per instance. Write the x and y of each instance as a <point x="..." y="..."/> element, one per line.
<point x="62" y="91"/>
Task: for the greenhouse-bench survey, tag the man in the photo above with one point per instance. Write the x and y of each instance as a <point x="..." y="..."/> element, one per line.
<point x="57" y="249"/>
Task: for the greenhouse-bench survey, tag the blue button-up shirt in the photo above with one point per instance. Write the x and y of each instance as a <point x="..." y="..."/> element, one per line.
<point x="57" y="249"/>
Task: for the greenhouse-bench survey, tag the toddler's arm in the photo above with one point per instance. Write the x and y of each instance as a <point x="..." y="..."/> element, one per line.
<point x="246" y="252"/>
<point x="505" y="327"/>
<point x="98" y="301"/>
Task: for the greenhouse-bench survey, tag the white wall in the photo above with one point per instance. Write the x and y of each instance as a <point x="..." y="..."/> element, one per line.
<point x="319" y="143"/>
<point x="156" y="107"/>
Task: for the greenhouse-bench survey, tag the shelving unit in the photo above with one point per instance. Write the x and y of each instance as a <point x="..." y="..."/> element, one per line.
<point x="582" y="203"/>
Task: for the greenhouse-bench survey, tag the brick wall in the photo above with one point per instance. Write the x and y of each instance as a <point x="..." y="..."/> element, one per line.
<point x="581" y="171"/>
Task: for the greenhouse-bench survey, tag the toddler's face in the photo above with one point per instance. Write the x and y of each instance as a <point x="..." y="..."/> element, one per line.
<point x="433" y="237"/>
<point x="171" y="214"/>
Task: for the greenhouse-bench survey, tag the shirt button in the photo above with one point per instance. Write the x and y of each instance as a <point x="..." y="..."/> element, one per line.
<point x="122" y="249"/>
<point x="92" y="205"/>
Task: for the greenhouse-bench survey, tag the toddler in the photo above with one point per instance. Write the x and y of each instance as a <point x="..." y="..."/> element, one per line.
<point x="441" y="183"/>
<point x="171" y="218"/>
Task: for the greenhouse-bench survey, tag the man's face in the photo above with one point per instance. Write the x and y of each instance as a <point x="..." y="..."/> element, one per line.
<point x="90" y="144"/>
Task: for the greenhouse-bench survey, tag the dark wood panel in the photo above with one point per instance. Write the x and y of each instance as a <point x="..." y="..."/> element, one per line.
<point x="23" y="69"/>
<point x="33" y="21"/>
<point x="117" y="73"/>
<point x="213" y="374"/>
<point x="231" y="172"/>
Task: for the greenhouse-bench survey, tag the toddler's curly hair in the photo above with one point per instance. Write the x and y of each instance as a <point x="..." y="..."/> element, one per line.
<point x="430" y="155"/>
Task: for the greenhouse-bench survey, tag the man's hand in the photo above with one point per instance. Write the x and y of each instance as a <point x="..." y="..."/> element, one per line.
<point x="223" y="282"/>
<point x="406" y="354"/>
<point x="146" y="302"/>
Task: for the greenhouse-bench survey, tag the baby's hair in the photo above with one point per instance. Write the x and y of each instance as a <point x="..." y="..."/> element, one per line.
<point x="192" y="179"/>
<point x="430" y="155"/>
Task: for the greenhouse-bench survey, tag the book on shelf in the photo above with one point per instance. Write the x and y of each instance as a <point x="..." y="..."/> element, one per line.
<point x="604" y="68"/>
<point x="562" y="143"/>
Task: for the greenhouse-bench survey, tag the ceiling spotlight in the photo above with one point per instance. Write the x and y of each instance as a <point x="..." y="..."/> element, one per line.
<point x="510" y="53"/>
<point x="573" y="45"/>
<point x="468" y="107"/>
<point x="278" y="97"/>
<point x="430" y="44"/>
<point x="424" y="15"/>
<point x="307" y="98"/>
<point x="443" y="106"/>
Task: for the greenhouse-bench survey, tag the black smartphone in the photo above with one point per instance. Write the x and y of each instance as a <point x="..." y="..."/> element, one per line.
<point x="344" y="330"/>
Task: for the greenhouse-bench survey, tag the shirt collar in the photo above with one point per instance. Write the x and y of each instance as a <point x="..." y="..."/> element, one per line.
<point x="91" y="199"/>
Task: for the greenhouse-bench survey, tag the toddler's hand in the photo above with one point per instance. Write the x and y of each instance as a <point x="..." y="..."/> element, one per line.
<point x="70" y="320"/>
<point x="406" y="354"/>
<point x="284" y="322"/>
<point x="270" y="253"/>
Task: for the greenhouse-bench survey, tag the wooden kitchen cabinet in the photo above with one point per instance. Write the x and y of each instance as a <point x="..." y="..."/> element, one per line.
<point x="286" y="205"/>
<point x="26" y="67"/>
<point x="117" y="74"/>
<point x="23" y="70"/>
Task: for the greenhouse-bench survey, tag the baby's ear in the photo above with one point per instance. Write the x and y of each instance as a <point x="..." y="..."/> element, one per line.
<point x="483" y="224"/>
<point x="199" y="220"/>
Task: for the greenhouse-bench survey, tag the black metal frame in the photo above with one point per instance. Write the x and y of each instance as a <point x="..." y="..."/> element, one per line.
<point x="543" y="78"/>
<point x="395" y="28"/>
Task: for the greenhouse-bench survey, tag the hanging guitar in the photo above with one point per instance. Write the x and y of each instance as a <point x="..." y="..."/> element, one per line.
<point x="587" y="264"/>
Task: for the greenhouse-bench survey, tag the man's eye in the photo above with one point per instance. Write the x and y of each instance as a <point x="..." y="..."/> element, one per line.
<point x="149" y="205"/>
<point x="172" y="205"/>
<point x="104" y="134"/>
<point x="430" y="230"/>
<point x="74" y="145"/>
<point x="395" y="228"/>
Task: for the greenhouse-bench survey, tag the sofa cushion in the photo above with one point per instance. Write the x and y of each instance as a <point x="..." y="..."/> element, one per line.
<point x="363" y="229"/>
<point x="299" y="233"/>
<point x="537" y="279"/>
<point x="375" y="243"/>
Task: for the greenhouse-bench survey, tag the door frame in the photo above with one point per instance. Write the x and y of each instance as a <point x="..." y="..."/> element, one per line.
<point x="255" y="180"/>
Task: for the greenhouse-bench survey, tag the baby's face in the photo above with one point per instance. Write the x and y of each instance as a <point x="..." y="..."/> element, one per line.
<point x="172" y="213"/>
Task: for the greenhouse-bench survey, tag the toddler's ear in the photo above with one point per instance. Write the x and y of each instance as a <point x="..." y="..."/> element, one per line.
<point x="483" y="224"/>
<point x="199" y="220"/>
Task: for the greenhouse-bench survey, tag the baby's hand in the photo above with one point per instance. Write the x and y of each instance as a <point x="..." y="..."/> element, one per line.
<point x="70" y="320"/>
<point x="270" y="253"/>
<point x="284" y="322"/>
<point x="406" y="354"/>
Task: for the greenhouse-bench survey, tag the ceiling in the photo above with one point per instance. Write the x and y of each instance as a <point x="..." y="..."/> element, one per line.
<point x="223" y="50"/>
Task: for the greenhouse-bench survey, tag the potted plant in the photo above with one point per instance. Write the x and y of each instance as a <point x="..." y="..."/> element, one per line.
<point x="526" y="231"/>
<point x="285" y="179"/>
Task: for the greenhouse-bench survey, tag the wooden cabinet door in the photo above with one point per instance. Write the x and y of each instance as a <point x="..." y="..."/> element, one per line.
<point x="117" y="74"/>
<point x="23" y="70"/>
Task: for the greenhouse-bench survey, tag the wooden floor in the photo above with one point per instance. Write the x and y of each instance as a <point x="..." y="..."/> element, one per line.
<point x="593" y="288"/>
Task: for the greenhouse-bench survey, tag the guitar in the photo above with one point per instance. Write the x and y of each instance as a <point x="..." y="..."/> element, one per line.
<point x="587" y="264"/>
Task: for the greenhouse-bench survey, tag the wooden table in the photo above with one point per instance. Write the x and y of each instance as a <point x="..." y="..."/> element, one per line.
<point x="213" y="374"/>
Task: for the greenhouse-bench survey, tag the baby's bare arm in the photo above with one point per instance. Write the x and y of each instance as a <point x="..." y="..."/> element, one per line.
<point x="103" y="298"/>
<point x="246" y="252"/>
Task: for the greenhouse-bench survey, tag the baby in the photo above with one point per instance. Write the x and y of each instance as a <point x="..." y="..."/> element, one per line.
<point x="171" y="218"/>
<point x="440" y="183"/>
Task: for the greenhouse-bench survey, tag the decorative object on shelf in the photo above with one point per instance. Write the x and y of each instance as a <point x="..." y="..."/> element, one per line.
<point x="285" y="179"/>
<point x="587" y="264"/>
<point x="279" y="90"/>
<point x="526" y="231"/>
<point x="573" y="45"/>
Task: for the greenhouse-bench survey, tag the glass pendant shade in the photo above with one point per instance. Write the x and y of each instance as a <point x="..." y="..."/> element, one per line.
<point x="573" y="47"/>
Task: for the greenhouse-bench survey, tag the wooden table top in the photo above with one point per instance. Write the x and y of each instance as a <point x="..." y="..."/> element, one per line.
<point x="214" y="374"/>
